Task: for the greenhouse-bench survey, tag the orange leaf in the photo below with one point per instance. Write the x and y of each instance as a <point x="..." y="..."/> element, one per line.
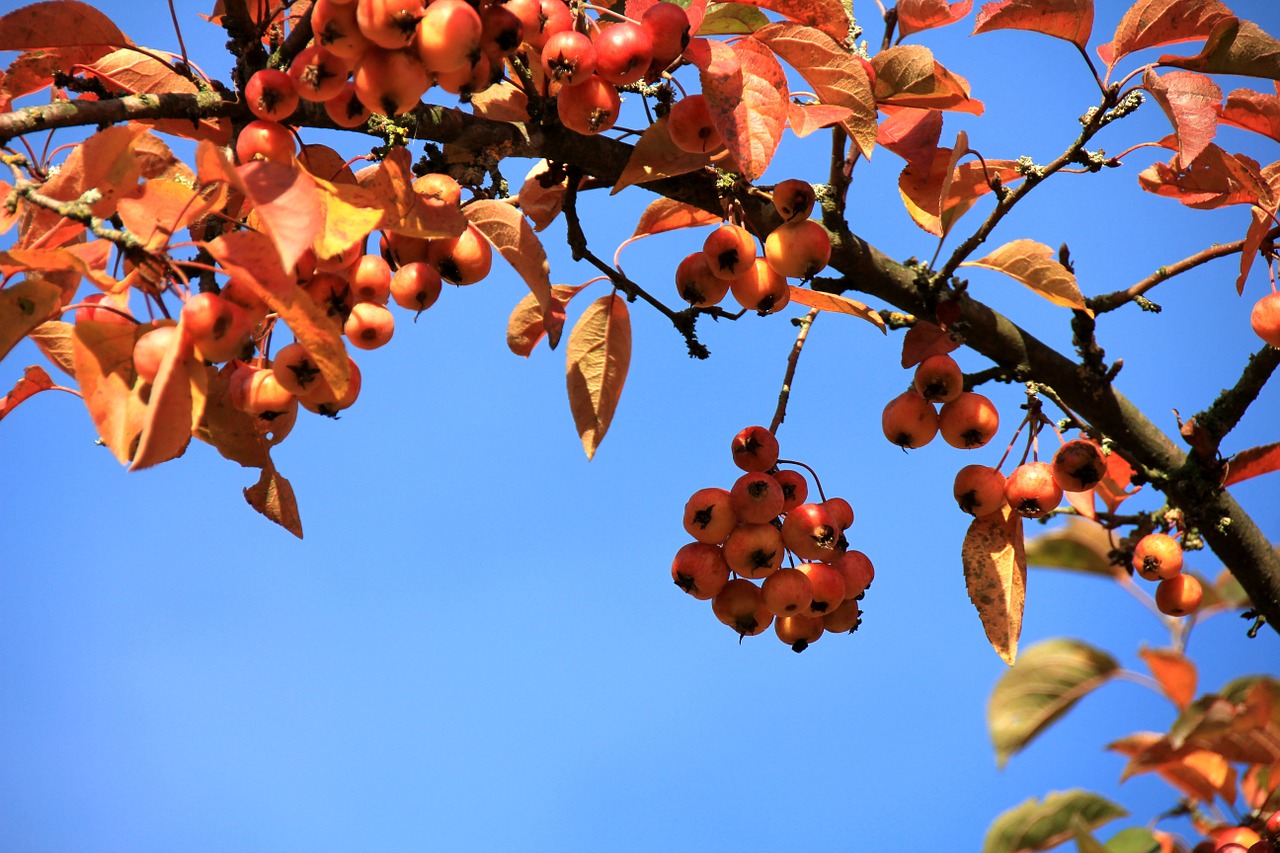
<point x="1214" y="179"/>
<point x="654" y="156"/>
<point x="1114" y="487"/>
<point x="108" y="383"/>
<point x="597" y="357"/>
<point x="837" y="77"/>
<point x="837" y="304"/>
<point x="527" y="325"/>
<point x="1253" y="462"/>
<point x="23" y="306"/>
<point x="909" y="76"/>
<point x="995" y="573"/>
<point x="1173" y="672"/>
<point x="912" y="134"/>
<point x="175" y="405"/>
<point x="731" y="19"/>
<point x="53" y="337"/>
<point x="1200" y="774"/>
<point x="1234" y="46"/>
<point x="140" y="74"/>
<point x="1065" y="19"/>
<point x="666" y="214"/>
<point x="746" y="92"/>
<point x="828" y="16"/>
<point x="1254" y="111"/>
<point x="160" y="208"/>
<point x="1151" y="23"/>
<point x="917" y="15"/>
<point x="501" y="102"/>
<point x="1035" y="265"/>
<point x="232" y="432"/>
<point x="510" y="233"/>
<point x="33" y="381"/>
<point x="1261" y="787"/>
<point x="804" y="119"/>
<point x="936" y="199"/>
<point x="58" y="23"/>
<point x="539" y="198"/>
<point x="390" y="185"/>
<point x="273" y="496"/>
<point x="350" y="213"/>
<point x="1191" y="101"/>
<point x="923" y="340"/>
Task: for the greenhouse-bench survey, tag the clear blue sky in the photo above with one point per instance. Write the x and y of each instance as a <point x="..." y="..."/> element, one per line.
<point x="477" y="647"/>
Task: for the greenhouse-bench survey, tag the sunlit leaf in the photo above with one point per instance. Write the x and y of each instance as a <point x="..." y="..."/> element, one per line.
<point x="34" y="380"/>
<point x="142" y="74"/>
<point x="23" y="306"/>
<point x="1256" y="111"/>
<point x="913" y="135"/>
<point x="174" y="406"/>
<point x="1151" y="23"/>
<point x="936" y="198"/>
<point x="597" y="357"/>
<point x="1214" y="179"/>
<point x="1199" y="774"/>
<point x="231" y="431"/>
<point x="665" y="214"/>
<point x="512" y="235"/>
<point x="1191" y="101"/>
<point x="917" y="15"/>
<point x="527" y="324"/>
<point x="161" y="208"/>
<point x="746" y="97"/>
<point x="54" y="338"/>
<point x="1234" y="46"/>
<point x="995" y="574"/>
<point x="58" y="23"/>
<point x="1175" y="674"/>
<point x="1136" y="839"/>
<point x="273" y="496"/>
<point x="1036" y="266"/>
<point x="923" y="340"/>
<point x="655" y="156"/>
<point x="1252" y="463"/>
<point x="837" y="304"/>
<point x="502" y="101"/>
<point x="1065" y="19"/>
<point x="542" y="204"/>
<point x="827" y="16"/>
<point x="1047" y="680"/>
<point x="108" y="383"/>
<point x="1043" y="824"/>
<point x="804" y="119"/>
<point x="728" y="19"/>
<point x="837" y="77"/>
<point x="1261" y="787"/>
<point x="1080" y="546"/>
<point x="909" y="76"/>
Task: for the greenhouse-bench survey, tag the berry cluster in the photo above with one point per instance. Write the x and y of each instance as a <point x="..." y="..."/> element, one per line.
<point x="1033" y="489"/>
<point x="729" y="263"/>
<point x="747" y="532"/>
<point x="967" y="420"/>
<point x="1158" y="557"/>
<point x="1259" y="836"/>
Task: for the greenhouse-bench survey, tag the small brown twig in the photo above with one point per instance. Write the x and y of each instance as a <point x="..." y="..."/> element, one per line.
<point x="780" y="413"/>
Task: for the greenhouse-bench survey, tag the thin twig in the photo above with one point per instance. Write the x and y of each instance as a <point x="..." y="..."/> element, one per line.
<point x="780" y="413"/>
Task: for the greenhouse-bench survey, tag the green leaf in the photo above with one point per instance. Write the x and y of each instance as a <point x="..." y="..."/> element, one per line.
<point x="728" y="19"/>
<point x="1135" y="839"/>
<point x="1081" y="546"/>
<point x="1046" y="681"/>
<point x="1040" y="825"/>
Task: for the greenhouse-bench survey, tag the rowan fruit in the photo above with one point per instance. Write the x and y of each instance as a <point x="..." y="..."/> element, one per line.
<point x="464" y="259"/>
<point x="754" y="448"/>
<point x="1079" y="465"/>
<point x="795" y="488"/>
<point x="756" y="498"/>
<point x="371" y="280"/>
<point x="708" y="517"/>
<point x="690" y="125"/>
<point x="1157" y="557"/>
<point x="909" y="420"/>
<point x="569" y="57"/>
<point x="754" y="550"/>
<point x="1242" y="835"/>
<point x="390" y="82"/>
<point x="332" y="293"/>
<point x="540" y="19"/>
<point x="845" y="619"/>
<point x="416" y="286"/>
<point x="668" y="27"/>
<point x="730" y="251"/>
<point x="841" y="512"/>
<point x="296" y="371"/>
<point x="265" y="140"/>
<point x="322" y="401"/>
<point x="1265" y="318"/>
<point x="503" y="32"/>
<point x="448" y="35"/>
<point x="799" y="249"/>
<point x="369" y="325"/>
<point x="794" y="199"/>
<point x="938" y="379"/>
<point x="1179" y="596"/>
<point x="697" y="285"/>
<point x="623" y="53"/>
<point x="858" y="573"/>
<point x="467" y="80"/>
<point x="590" y="107"/>
<point x="89" y="312"/>
<point x="438" y="190"/>
<point x="219" y="328"/>
<point x="740" y="606"/>
<point x="827" y="584"/>
<point x="787" y="592"/>
<point x="270" y="94"/>
<point x="812" y="534"/>
<point x="319" y="74"/>
<point x="1031" y="490"/>
<point x="345" y="109"/>
<point x="760" y="289"/>
<point x="700" y="570"/>
<point x="335" y="27"/>
<point x="389" y="24"/>
<point x="979" y="490"/>
<point x="799" y="631"/>
<point x="969" y="421"/>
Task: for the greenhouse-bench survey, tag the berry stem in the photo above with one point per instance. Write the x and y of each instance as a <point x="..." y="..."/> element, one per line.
<point x="780" y="414"/>
<point x="812" y="473"/>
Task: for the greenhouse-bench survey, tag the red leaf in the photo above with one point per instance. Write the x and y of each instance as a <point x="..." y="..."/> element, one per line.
<point x="598" y="357"/>
<point x="54" y="338"/>
<point x="1254" y="111"/>
<point x="1175" y="674"/>
<point x="1253" y="462"/>
<point x="746" y="92"/>
<point x="501" y="102"/>
<point x="108" y="383"/>
<point x="1114" y="488"/>
<point x="912" y="134"/>
<point x="655" y="156"/>
<point x="828" y="16"/>
<point x="33" y="381"/>
<point x="666" y="214"/>
<point x="160" y="208"/>
<point x="923" y="192"/>
<point x="1259" y="226"/>
<point x="1036" y="266"/>
<point x="908" y="76"/>
<point x="1065" y="19"/>
<point x="917" y="15"/>
<point x="58" y="23"/>
<point x="139" y="74"/>
<point x="837" y="77"/>
<point x="23" y="306"/>
<point x="804" y="119"/>
<point x="1214" y="179"/>
<point x="837" y="304"/>
<point x="1151" y="23"/>
<point x="232" y="432"/>
<point x="923" y="340"/>
<point x="1191" y="101"/>
<point x="1234" y="46"/>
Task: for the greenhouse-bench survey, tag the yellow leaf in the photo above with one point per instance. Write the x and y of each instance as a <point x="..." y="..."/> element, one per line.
<point x="598" y="355"/>
<point x="1034" y="265"/>
<point x="837" y="304"/>
<point x="995" y="572"/>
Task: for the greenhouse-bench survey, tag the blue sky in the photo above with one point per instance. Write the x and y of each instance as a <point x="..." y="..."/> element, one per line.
<point x="477" y="645"/>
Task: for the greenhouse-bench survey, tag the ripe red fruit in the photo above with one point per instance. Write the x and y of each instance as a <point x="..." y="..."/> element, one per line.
<point x="218" y="328"/>
<point x="668" y="27"/>
<point x="690" y="126"/>
<point x="271" y="95"/>
<point x="969" y="421"/>
<point x="858" y="573"/>
<point x="828" y="587"/>
<point x="795" y="488"/>
<point x="266" y="140"/>
<point x="541" y="19"/>
<point x="730" y="251"/>
<point x="371" y="280"/>
<point x="502" y="32"/>
<point x="336" y="28"/>
<point x="756" y="498"/>
<point x="708" y="517"/>
<point x="799" y="249"/>
<point x="811" y="533"/>
<point x="448" y="36"/>
<point x="438" y="190"/>
<point x="1157" y="557"/>
<point x="841" y="512"/>
<point x="844" y="619"/>
<point x="345" y="109"/>
<point x="319" y="74"/>
<point x="754" y="550"/>
<point x="909" y="420"/>
<point x="623" y="53"/>
<point x="416" y="286"/>
<point x="979" y="490"/>
<point x="87" y="311"/>
<point x="256" y="391"/>
<point x="296" y="371"/>
<point x="590" y="107"/>
<point x="1265" y="318"/>
<point x="740" y="606"/>
<point x="1273" y="823"/>
<point x="390" y="82"/>
<point x="323" y="401"/>
<point x="754" y="448"/>
<point x="389" y="24"/>
<point x="464" y="259"/>
<point x="332" y="293"/>
<point x="760" y="289"/>
<point x="1079" y="465"/>
<point x="150" y="349"/>
<point x="369" y="325"/>
<point x="699" y="569"/>
<point x="787" y="592"/>
<point x="799" y="631"/>
<point x="697" y="285"/>
<point x="938" y="379"/>
<point x="1031" y="490"/>
<point x="1242" y="835"/>
<point x="569" y="57"/>
<point x="794" y="199"/>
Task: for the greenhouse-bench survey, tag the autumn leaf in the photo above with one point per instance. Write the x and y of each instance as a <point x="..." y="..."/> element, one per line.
<point x="1043" y="824"/>
<point x="1065" y="19"/>
<point x="273" y="496"/>
<point x="23" y="306"/>
<point x="655" y="156"/>
<point x="133" y="72"/>
<point x="389" y="186"/>
<point x="923" y="340"/>
<point x="837" y="77"/>
<point x="918" y="15"/>
<point x="1045" y="683"/>
<point x="1253" y="462"/>
<point x="1254" y="111"/>
<point x="510" y="233"/>
<point x="912" y="133"/>
<point x="34" y="380"/>
<point x="174" y="406"/>
<point x="1152" y="23"/>
<point x="837" y="304"/>
<point x="1080" y="546"/>
<point x="1036" y="265"/>
<point x="1234" y="46"/>
<point x="542" y="204"/>
<point x="160" y="208"/>
<point x="598" y="356"/>
<point x="732" y="19"/>
<point x="54" y="338"/>
<point x="746" y="94"/>
<point x="502" y="101"/>
<point x="1200" y="774"/>
<point x="995" y="573"/>
<point x="231" y="431"/>
<point x="909" y="76"/>
<point x="108" y="384"/>
<point x="804" y="119"/>
<point x="1175" y="674"/>
<point x="827" y="16"/>
<point x="1191" y="101"/>
<point x="528" y="325"/>
<point x="1214" y="179"/>
<point x="665" y="214"/>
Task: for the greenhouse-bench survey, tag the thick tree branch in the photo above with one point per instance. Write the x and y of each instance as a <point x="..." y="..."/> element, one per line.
<point x="202" y="105"/>
<point x="1225" y="412"/>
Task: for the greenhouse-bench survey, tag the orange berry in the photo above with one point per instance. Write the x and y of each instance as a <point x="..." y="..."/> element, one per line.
<point x="1079" y="465"/>
<point x="799" y="631"/>
<point x="1265" y="318"/>
<point x="938" y="379"/>
<point x="740" y="606"/>
<point x="1179" y="595"/>
<point x="1157" y="557"/>
<point x="909" y="420"/>
<point x="699" y="569"/>
<point x="1031" y="490"/>
<point x="754" y="550"/>
<point x="979" y="490"/>
<point x="754" y="449"/>
<point x="799" y="249"/>
<point x="708" y="517"/>
<point x="730" y="251"/>
<point x="969" y="421"/>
